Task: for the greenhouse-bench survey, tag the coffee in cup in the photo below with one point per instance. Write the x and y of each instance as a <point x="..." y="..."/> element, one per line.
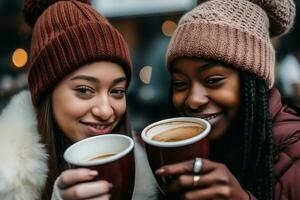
<point x="186" y="131"/>
<point x="100" y="156"/>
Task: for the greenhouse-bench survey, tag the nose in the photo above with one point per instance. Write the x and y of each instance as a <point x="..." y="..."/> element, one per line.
<point x="102" y="109"/>
<point x="197" y="97"/>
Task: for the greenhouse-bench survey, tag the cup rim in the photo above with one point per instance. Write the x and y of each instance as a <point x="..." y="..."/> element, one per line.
<point x="104" y="160"/>
<point x="181" y="142"/>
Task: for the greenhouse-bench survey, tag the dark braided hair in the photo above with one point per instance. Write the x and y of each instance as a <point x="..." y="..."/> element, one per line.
<point x="257" y="138"/>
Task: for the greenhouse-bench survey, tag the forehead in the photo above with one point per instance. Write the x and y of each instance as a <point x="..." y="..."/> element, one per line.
<point x="101" y="72"/>
<point x="195" y="67"/>
<point x="192" y="64"/>
<point x="189" y="61"/>
<point x="100" y="67"/>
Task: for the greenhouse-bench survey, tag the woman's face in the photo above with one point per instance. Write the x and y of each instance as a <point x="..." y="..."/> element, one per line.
<point x="206" y="90"/>
<point x="90" y="101"/>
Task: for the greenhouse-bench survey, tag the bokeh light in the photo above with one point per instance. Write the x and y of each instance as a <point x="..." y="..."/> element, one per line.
<point x="168" y="27"/>
<point x="19" y="57"/>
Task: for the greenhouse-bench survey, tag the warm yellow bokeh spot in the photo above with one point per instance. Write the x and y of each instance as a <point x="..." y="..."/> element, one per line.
<point x="19" y="57"/>
<point x="168" y="27"/>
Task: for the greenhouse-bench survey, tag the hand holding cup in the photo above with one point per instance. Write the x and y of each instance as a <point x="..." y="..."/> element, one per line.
<point x="173" y="141"/>
<point x="109" y="160"/>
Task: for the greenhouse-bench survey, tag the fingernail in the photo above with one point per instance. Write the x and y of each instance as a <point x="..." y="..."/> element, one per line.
<point x="93" y="173"/>
<point x="160" y="171"/>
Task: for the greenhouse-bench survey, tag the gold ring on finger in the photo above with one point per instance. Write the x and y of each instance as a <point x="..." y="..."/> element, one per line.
<point x="196" y="180"/>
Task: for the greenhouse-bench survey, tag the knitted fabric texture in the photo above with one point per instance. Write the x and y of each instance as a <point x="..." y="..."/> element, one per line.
<point x="67" y="35"/>
<point x="235" y="32"/>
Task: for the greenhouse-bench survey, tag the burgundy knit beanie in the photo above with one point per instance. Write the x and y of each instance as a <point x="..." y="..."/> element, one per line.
<point x="67" y="35"/>
<point x="235" y="32"/>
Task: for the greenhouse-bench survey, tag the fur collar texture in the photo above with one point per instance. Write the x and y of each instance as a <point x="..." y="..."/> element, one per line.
<point x="23" y="167"/>
<point x="23" y="159"/>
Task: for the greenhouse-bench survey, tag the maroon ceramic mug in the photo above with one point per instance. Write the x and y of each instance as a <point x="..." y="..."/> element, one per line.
<point x="112" y="156"/>
<point x="175" y="140"/>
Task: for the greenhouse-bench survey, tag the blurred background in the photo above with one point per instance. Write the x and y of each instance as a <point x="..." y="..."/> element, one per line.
<point x="147" y="26"/>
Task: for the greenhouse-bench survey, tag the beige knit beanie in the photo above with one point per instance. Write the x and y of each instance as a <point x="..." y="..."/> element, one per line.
<point x="235" y="32"/>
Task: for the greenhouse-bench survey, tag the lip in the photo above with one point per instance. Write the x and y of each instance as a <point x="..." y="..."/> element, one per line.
<point x="92" y="130"/>
<point x="212" y="118"/>
<point x="208" y="116"/>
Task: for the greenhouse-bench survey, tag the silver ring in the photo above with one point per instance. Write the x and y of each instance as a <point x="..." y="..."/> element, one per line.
<point x="197" y="165"/>
<point x="196" y="180"/>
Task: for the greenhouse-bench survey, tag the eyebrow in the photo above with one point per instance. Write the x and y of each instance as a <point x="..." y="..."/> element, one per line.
<point x="200" y="68"/>
<point x="121" y="79"/>
<point x="95" y="80"/>
<point x="87" y="78"/>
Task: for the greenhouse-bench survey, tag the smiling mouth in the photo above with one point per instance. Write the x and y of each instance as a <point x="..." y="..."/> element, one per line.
<point x="211" y="116"/>
<point x="208" y="116"/>
<point x="97" y="126"/>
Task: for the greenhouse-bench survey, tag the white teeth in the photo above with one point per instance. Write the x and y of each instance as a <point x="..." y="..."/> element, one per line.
<point x="99" y="127"/>
<point x="211" y="117"/>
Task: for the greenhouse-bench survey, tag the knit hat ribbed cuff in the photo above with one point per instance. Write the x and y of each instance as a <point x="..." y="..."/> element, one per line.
<point x="76" y="46"/>
<point x="224" y="44"/>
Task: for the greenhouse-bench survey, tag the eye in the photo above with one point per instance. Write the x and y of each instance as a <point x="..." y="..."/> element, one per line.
<point x="179" y="85"/>
<point x="84" y="91"/>
<point x="118" y="93"/>
<point x="213" y="81"/>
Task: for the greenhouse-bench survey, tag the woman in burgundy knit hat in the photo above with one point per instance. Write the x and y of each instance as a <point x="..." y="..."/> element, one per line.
<point x="222" y="62"/>
<point x="80" y="69"/>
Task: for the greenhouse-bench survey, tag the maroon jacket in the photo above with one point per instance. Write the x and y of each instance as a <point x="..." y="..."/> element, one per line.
<point x="286" y="129"/>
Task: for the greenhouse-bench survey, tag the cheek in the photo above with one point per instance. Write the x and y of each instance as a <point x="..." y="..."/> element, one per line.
<point x="230" y="94"/>
<point x="178" y="99"/>
<point x="64" y="114"/>
<point x="67" y="110"/>
<point x="235" y="95"/>
<point x="119" y="107"/>
<point x="229" y="98"/>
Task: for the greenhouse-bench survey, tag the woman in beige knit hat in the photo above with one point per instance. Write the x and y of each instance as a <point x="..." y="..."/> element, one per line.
<point x="79" y="72"/>
<point x="222" y="61"/>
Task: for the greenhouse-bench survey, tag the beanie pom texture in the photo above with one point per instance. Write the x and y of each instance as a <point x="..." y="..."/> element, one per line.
<point x="32" y="9"/>
<point x="281" y="14"/>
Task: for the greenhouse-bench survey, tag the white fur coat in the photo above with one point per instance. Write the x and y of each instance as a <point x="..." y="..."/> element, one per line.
<point x="23" y="159"/>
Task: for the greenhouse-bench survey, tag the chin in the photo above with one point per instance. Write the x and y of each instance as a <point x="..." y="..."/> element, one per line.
<point x="215" y="135"/>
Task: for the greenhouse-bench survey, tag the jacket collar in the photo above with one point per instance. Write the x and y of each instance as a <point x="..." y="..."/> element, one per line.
<point x="285" y="121"/>
<point x="274" y="102"/>
<point x="24" y="169"/>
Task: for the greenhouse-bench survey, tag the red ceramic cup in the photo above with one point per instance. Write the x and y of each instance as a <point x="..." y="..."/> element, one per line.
<point x="117" y="168"/>
<point x="162" y="153"/>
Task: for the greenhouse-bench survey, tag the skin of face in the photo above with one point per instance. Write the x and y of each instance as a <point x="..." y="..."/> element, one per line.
<point x="90" y="101"/>
<point x="207" y="90"/>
